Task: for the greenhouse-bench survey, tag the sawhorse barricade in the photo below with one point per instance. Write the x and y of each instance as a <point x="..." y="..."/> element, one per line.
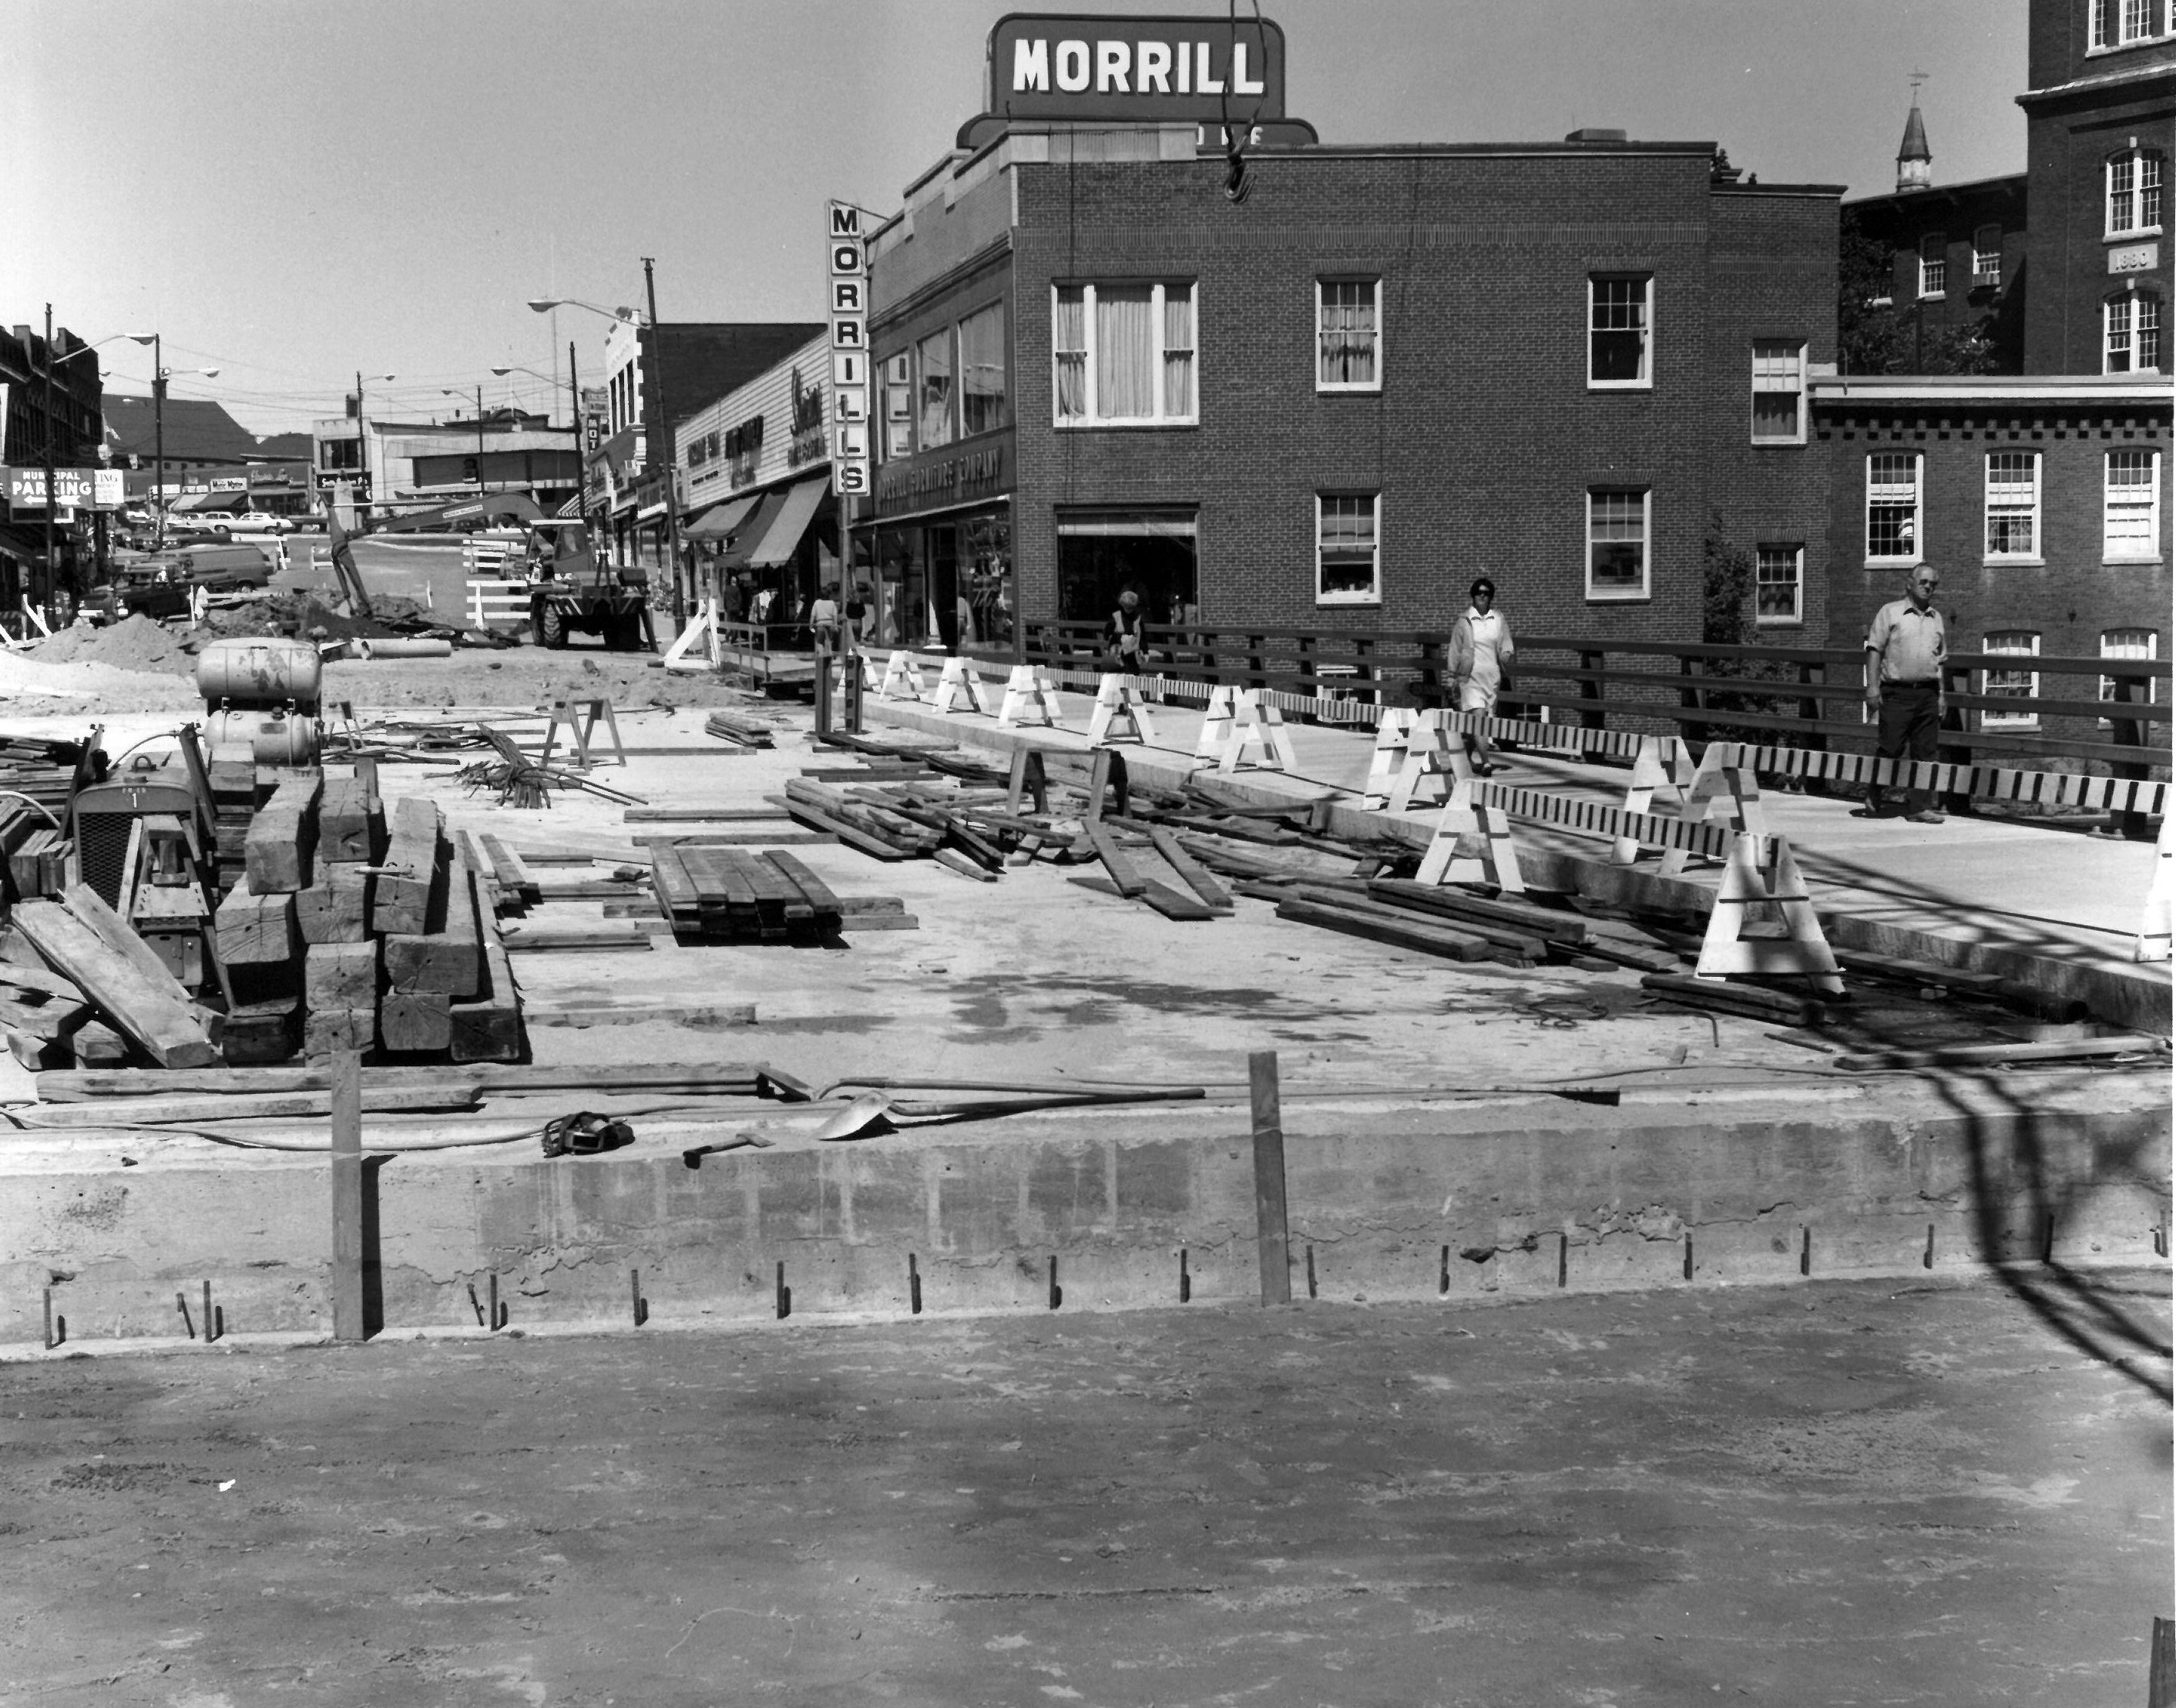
<point x="1979" y="783"/>
<point x="702" y="629"/>
<point x="959" y="689"/>
<point x="902" y="678"/>
<point x="1120" y="713"/>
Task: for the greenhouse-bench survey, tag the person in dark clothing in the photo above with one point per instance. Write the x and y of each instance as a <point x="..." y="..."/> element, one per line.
<point x="1126" y="637"/>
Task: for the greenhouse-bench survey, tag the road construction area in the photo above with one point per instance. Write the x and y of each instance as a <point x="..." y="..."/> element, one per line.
<point x="1830" y="1494"/>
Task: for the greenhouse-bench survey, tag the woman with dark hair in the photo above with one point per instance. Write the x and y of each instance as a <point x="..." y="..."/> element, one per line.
<point x="1480" y="666"/>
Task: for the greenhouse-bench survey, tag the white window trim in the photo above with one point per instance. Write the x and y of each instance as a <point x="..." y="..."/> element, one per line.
<point x="2009" y="721"/>
<point x="1374" y="593"/>
<point x="2137" y="158"/>
<point x="1941" y="260"/>
<point x="2152" y="553"/>
<point x="1618" y="596"/>
<point x="2027" y="560"/>
<point x="1647" y="382"/>
<point x="2108" y="14"/>
<point x="1797" y="619"/>
<point x="1918" y="512"/>
<point x="1326" y="385"/>
<point x="1753" y="402"/>
<point x="2107" y="682"/>
<point x="1089" y="419"/>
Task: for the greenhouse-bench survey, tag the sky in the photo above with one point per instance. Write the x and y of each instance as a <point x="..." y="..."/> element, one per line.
<point x="295" y="193"/>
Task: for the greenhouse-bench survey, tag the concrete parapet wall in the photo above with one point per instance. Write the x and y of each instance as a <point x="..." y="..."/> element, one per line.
<point x="1384" y="1202"/>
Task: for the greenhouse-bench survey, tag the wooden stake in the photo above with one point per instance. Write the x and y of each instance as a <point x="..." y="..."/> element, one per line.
<point x="346" y="1069"/>
<point x="1270" y="1233"/>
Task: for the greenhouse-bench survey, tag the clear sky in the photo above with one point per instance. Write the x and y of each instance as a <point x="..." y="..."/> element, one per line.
<point x="294" y="192"/>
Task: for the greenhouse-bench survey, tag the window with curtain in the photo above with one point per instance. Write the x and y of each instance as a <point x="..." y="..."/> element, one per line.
<point x="2013" y="504"/>
<point x="1892" y="506"/>
<point x="2130" y="507"/>
<point x="983" y="371"/>
<point x="1348" y="335"/>
<point x="1617" y="542"/>
<point x="1778" y="595"/>
<point x="1347" y="561"/>
<point x="1779" y="384"/>
<point x="1123" y="355"/>
<point x="2014" y="684"/>
<point x="1986" y="257"/>
<point x="933" y="413"/>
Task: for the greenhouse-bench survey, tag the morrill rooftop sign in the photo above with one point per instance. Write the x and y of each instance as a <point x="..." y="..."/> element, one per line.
<point x="1162" y="70"/>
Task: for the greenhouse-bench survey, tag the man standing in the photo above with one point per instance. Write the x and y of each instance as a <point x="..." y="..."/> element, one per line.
<point x="1480" y="666"/>
<point x="824" y="618"/>
<point x="1126" y="635"/>
<point x="1908" y="645"/>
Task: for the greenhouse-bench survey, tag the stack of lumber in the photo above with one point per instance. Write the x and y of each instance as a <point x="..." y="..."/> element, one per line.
<point x="351" y="928"/>
<point x="738" y="728"/>
<point x="36" y="778"/>
<point x="35" y="851"/>
<point x="80" y="986"/>
<point x="734" y="895"/>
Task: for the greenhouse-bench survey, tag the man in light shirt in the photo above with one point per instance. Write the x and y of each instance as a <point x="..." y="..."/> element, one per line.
<point x="1907" y="645"/>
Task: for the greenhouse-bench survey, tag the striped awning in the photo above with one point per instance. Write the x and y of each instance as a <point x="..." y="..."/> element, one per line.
<point x="783" y="538"/>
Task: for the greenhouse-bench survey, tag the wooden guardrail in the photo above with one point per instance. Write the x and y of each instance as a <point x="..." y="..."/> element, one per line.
<point x="1771" y="695"/>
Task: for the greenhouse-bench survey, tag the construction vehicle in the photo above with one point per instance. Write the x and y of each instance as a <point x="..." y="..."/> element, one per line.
<point x="573" y="591"/>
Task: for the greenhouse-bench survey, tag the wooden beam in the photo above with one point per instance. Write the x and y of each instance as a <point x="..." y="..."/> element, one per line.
<point x="410" y="896"/>
<point x="155" y="1012"/>
<point x="417" y="1019"/>
<point x="449" y="959"/>
<point x="453" y="1092"/>
<point x="351" y="823"/>
<point x="254" y="929"/>
<point x="336" y="908"/>
<point x="341" y="976"/>
<point x="328" y="1031"/>
<point x="283" y="839"/>
<point x="344" y="1103"/>
<point x="489" y="1029"/>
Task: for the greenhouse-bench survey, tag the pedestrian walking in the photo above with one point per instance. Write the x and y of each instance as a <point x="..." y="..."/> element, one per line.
<point x="1908" y="642"/>
<point x="824" y="618"/>
<point x="1127" y="636"/>
<point x="857" y="615"/>
<point x="1480" y="666"/>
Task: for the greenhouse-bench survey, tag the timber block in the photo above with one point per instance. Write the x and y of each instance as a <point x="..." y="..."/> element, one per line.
<point x="336" y="908"/>
<point x="489" y="1029"/>
<point x="97" y="1045"/>
<point x="351" y="823"/>
<point x="255" y="929"/>
<point x="413" y="1020"/>
<point x="283" y="836"/>
<point x="259" y="1032"/>
<point x="449" y="959"/>
<point x="341" y="976"/>
<point x="327" y="1031"/>
<point x="411" y="898"/>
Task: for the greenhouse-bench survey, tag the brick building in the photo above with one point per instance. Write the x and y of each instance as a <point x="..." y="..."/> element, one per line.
<point x="1329" y="406"/>
<point x="49" y="406"/>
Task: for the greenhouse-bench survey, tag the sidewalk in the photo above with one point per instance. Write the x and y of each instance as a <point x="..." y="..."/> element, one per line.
<point x="1989" y="894"/>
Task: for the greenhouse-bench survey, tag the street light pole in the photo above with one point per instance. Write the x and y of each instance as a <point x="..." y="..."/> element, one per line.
<point x="672" y="450"/>
<point x="581" y="433"/>
<point x="159" y="439"/>
<point x="479" y="391"/>
<point x="50" y="566"/>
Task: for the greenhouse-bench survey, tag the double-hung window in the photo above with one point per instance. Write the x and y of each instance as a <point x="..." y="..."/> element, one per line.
<point x="2130" y="508"/>
<point x="983" y="371"/>
<point x="2124" y="23"/>
<point x="1933" y="266"/>
<point x="2014" y="682"/>
<point x="2013" y="506"/>
<point x="932" y="370"/>
<point x="1893" y="481"/>
<point x="2131" y="321"/>
<point x="1618" y="519"/>
<point x="1779" y="392"/>
<point x="1987" y="258"/>
<point x="1620" y="330"/>
<point x="899" y="405"/>
<point x="1123" y="355"/>
<point x="1348" y="335"/>
<point x="2134" y="192"/>
<point x="2129" y="643"/>
<point x="1348" y="555"/>
<point x="1779" y="585"/>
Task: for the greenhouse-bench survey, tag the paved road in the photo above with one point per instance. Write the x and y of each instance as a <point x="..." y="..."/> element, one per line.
<point x="1830" y="1494"/>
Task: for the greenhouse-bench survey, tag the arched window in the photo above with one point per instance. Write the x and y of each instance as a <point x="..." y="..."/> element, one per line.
<point x="2134" y="192"/>
<point x="2130" y="322"/>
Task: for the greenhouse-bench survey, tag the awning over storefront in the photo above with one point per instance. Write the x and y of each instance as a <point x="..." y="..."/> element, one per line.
<point x="722" y="521"/>
<point x="783" y="536"/>
<point x="753" y="532"/>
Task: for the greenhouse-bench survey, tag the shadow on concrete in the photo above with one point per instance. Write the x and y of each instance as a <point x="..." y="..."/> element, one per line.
<point x="374" y="1273"/>
<point x="2013" y="1147"/>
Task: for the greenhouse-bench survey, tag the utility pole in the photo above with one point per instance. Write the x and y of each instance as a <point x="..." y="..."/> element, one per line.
<point x="159" y="439"/>
<point x="672" y="455"/>
<point x="581" y="463"/>
<point x="479" y="441"/>
<point x="362" y="453"/>
<point x="52" y="566"/>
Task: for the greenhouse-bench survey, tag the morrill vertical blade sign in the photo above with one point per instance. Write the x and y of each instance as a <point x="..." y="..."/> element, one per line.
<point x="850" y="351"/>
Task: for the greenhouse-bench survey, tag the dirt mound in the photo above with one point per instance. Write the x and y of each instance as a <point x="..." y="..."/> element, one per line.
<point x="94" y="684"/>
<point x="134" y="644"/>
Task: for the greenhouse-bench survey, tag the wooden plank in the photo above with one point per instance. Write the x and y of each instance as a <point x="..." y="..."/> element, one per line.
<point x="36" y="1054"/>
<point x="1520" y="916"/>
<point x="738" y="839"/>
<point x="531" y="938"/>
<point x="450" y="959"/>
<point x="330" y="1032"/>
<point x="97" y="1045"/>
<point x="1123" y="872"/>
<point x="822" y="901"/>
<point x="336" y="908"/>
<point x="341" y="976"/>
<point x="415" y="1019"/>
<point x="47" y="1018"/>
<point x="252" y="929"/>
<point x="151" y="1112"/>
<point x="78" y="1085"/>
<point x="16" y="976"/>
<point x="1170" y="903"/>
<point x="1427" y="939"/>
<point x="344" y="1104"/>
<point x="410" y="897"/>
<point x="816" y="818"/>
<point x="1734" y="999"/>
<point x="1191" y="872"/>
<point x="283" y="837"/>
<point x="698" y="1016"/>
<point x="1986" y="1055"/>
<point x="489" y="1029"/>
<point x="155" y="1012"/>
<point x="508" y="868"/>
<point x="697" y="815"/>
<point x="350" y="822"/>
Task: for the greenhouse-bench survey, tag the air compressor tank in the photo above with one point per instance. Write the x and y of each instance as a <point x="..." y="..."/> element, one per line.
<point x="260" y="675"/>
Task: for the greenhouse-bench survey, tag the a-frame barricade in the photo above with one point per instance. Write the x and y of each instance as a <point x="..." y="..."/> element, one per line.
<point x="1030" y="781"/>
<point x="1494" y="863"/>
<point x="1257" y="737"/>
<point x="1120" y="713"/>
<point x="1215" y="724"/>
<point x="1435" y="753"/>
<point x="2153" y="923"/>
<point x="1724" y="787"/>
<point x="902" y="678"/>
<point x="1664" y="767"/>
<point x="959" y="689"/>
<point x="1030" y="697"/>
<point x="701" y="630"/>
<point x="1394" y="731"/>
<point x="1748" y="887"/>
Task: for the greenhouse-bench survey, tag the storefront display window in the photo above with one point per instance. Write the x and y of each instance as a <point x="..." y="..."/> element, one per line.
<point x="932" y="359"/>
<point x="1102" y="553"/>
<point x="982" y="371"/>
<point x="985" y="579"/>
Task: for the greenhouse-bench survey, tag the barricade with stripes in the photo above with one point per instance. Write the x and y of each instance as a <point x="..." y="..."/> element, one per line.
<point x="1703" y="841"/>
<point x="1980" y="782"/>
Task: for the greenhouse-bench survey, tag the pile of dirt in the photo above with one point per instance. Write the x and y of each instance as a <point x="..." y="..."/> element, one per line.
<point x="134" y="644"/>
<point x="91" y="682"/>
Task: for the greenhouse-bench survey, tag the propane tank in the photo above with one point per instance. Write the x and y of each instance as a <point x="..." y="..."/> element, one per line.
<point x="262" y="675"/>
<point x="261" y="738"/>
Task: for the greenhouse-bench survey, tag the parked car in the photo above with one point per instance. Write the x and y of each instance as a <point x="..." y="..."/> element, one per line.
<point x="260" y="522"/>
<point x="153" y="587"/>
<point x="225" y="568"/>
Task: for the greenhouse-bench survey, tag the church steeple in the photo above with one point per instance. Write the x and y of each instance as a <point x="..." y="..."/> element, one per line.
<point x="1915" y="160"/>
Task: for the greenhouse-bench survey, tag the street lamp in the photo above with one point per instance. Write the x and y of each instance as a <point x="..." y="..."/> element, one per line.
<point x="456" y="391"/>
<point x="544" y="305"/>
<point x="573" y="415"/>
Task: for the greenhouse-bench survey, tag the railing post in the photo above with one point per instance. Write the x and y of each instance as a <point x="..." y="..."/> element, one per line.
<point x="1428" y="681"/>
<point x="1956" y="681"/>
<point x="1589" y="687"/>
<point x="2129" y="732"/>
<point x="1257" y="666"/>
<point x="1690" y="699"/>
